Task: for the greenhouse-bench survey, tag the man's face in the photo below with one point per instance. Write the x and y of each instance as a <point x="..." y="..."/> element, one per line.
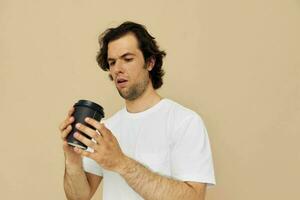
<point x="127" y="67"/>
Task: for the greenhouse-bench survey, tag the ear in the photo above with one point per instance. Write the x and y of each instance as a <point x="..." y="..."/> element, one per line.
<point x="150" y="63"/>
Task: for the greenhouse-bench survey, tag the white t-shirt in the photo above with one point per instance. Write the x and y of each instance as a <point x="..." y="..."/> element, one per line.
<point x="167" y="138"/>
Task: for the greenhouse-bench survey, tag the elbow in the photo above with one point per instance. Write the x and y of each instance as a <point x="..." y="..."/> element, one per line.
<point x="86" y="196"/>
<point x="78" y="198"/>
<point x="197" y="191"/>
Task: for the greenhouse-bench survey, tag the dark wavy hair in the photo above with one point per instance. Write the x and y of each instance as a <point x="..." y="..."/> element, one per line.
<point x="147" y="45"/>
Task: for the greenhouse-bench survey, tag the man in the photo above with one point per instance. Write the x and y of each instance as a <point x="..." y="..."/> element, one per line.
<point x="153" y="148"/>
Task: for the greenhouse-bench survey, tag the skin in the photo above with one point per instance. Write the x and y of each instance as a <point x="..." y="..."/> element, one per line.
<point x="77" y="183"/>
<point x="127" y="62"/>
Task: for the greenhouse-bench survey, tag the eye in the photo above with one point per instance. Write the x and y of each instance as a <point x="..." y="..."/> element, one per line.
<point x="128" y="59"/>
<point x="112" y="63"/>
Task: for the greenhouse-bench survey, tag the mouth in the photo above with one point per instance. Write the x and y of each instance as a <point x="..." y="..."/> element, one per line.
<point x="121" y="82"/>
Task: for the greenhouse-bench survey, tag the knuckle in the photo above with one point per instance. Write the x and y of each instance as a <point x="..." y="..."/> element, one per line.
<point x="101" y="127"/>
<point x="86" y="153"/>
<point x="64" y="134"/>
<point x="68" y="129"/>
<point x="94" y="134"/>
<point x="90" y="143"/>
<point x="65" y="123"/>
<point x="61" y="126"/>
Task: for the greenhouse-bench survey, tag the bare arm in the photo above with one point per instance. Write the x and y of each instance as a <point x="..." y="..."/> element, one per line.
<point x="80" y="185"/>
<point x="77" y="183"/>
<point x="152" y="186"/>
<point x="94" y="182"/>
<point x="149" y="185"/>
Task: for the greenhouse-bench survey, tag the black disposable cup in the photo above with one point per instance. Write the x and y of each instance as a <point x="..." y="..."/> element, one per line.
<point x="83" y="109"/>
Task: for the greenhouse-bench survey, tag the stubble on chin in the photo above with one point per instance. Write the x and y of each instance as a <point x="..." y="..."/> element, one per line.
<point x="134" y="91"/>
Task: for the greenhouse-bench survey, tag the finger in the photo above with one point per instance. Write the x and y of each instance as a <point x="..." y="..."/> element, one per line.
<point x="99" y="126"/>
<point x="66" y="146"/>
<point x="105" y="132"/>
<point x="83" y="153"/>
<point x="66" y="132"/>
<point x="85" y="140"/>
<point x="65" y="123"/>
<point x="90" y="132"/>
<point x="99" y="138"/>
<point x="70" y="112"/>
<point x="94" y="123"/>
<point x="67" y="119"/>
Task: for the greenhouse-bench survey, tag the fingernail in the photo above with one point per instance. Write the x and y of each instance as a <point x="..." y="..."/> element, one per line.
<point x="87" y="119"/>
<point x="78" y="125"/>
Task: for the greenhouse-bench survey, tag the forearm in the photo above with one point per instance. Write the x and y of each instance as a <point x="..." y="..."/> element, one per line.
<point x="152" y="186"/>
<point x="76" y="185"/>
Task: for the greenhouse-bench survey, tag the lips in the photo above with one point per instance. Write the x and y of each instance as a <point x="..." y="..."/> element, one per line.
<point x="121" y="82"/>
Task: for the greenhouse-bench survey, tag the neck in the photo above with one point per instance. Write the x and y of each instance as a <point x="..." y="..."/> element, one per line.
<point x="148" y="99"/>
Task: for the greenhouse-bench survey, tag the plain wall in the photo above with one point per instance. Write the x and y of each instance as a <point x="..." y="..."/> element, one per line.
<point x="234" y="62"/>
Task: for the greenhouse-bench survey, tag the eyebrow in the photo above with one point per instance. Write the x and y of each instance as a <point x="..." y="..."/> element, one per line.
<point x="122" y="56"/>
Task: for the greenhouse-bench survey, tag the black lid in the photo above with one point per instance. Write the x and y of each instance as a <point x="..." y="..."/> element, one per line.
<point x="90" y="104"/>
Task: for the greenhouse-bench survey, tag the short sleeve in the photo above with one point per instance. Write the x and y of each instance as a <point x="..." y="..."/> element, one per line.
<point x="91" y="166"/>
<point x="191" y="157"/>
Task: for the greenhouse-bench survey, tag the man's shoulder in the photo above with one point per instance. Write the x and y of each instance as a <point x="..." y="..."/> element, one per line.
<point x="180" y="115"/>
<point x="183" y="119"/>
<point x="180" y="109"/>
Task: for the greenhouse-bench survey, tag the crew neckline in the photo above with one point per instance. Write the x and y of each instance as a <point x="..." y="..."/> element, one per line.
<point x="145" y="112"/>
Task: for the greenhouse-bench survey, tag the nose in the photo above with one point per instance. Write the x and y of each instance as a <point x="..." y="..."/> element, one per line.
<point x="117" y="68"/>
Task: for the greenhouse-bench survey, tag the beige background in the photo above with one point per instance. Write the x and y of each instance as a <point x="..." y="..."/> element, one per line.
<point x="234" y="62"/>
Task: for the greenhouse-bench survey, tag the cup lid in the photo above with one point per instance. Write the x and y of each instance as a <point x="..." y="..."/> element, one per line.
<point x="89" y="104"/>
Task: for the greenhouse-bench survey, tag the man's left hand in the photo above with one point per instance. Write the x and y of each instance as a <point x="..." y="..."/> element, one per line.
<point x="107" y="152"/>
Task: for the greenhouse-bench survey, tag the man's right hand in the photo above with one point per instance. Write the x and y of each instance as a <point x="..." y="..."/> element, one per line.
<point x="77" y="183"/>
<point x="72" y="158"/>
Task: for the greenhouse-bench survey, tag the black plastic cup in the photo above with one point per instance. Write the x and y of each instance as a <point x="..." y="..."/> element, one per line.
<point x="83" y="109"/>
